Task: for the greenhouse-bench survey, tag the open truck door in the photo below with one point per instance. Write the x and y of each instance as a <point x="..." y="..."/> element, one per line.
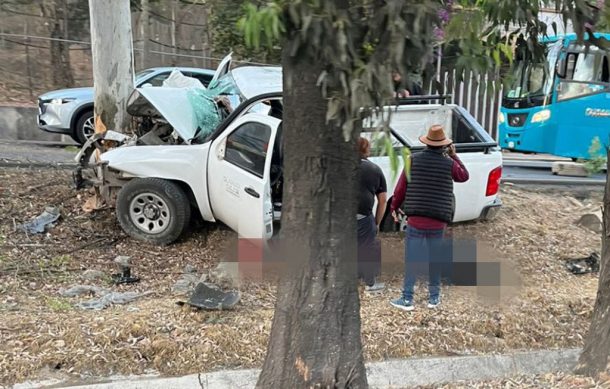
<point x="239" y="165"/>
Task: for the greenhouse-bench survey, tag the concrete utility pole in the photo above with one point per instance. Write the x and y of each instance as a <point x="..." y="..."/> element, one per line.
<point x="111" y="46"/>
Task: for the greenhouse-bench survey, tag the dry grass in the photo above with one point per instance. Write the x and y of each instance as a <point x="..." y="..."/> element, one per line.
<point x="44" y="335"/>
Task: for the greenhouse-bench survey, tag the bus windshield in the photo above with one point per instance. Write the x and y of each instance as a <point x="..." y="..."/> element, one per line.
<point x="529" y="80"/>
<point x="534" y="79"/>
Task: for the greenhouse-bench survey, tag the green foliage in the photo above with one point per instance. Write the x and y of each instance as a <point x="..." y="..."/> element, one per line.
<point x="226" y="36"/>
<point x="263" y="24"/>
<point x="597" y="159"/>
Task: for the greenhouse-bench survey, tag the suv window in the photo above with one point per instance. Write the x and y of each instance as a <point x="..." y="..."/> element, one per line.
<point x="158" y="79"/>
<point x="247" y="147"/>
<point x="203" y="78"/>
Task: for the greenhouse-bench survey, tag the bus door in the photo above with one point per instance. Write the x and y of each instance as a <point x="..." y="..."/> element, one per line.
<point x="582" y="96"/>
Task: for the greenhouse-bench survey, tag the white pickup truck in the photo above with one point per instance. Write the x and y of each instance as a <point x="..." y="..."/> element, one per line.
<point x="233" y="172"/>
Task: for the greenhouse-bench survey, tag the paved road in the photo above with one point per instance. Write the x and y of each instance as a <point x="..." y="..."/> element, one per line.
<point x="36" y="154"/>
<point x="15" y="153"/>
<point x="533" y="175"/>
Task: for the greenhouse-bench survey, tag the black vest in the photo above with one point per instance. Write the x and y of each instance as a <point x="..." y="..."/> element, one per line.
<point x="430" y="191"/>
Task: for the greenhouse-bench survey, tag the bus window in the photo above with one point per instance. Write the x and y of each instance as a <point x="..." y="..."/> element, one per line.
<point x="585" y="74"/>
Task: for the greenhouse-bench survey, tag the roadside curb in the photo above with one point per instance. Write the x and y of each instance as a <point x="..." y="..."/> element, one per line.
<point x="554" y="181"/>
<point x="387" y="374"/>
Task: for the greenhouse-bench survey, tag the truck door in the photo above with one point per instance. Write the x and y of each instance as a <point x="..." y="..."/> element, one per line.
<point x="238" y="175"/>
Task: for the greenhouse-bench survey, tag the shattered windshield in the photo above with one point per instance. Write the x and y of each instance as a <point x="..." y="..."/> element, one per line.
<point x="212" y="105"/>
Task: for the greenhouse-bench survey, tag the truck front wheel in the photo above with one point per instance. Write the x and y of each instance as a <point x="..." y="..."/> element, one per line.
<point x="153" y="210"/>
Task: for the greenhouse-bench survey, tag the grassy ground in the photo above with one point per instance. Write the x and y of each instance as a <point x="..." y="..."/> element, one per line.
<point x="45" y="336"/>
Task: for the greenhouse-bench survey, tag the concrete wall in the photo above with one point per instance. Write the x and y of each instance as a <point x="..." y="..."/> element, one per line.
<point x="19" y="123"/>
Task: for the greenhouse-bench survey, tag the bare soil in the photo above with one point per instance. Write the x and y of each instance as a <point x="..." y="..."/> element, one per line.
<point x="45" y="336"/>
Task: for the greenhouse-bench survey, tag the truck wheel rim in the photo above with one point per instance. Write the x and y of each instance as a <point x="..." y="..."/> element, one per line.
<point x="88" y="127"/>
<point x="149" y="213"/>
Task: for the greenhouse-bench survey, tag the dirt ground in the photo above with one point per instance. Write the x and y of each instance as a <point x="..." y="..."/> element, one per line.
<point x="45" y="335"/>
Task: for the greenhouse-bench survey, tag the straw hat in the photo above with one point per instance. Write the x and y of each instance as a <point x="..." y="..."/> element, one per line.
<point x="435" y="137"/>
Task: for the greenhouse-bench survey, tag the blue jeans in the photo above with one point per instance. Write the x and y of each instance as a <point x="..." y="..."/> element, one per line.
<point x="427" y="253"/>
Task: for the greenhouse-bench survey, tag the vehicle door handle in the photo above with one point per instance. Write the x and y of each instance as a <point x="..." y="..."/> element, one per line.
<point x="251" y="192"/>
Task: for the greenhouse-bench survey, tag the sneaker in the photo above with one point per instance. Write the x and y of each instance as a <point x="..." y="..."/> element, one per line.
<point x="376" y="287"/>
<point x="434" y="302"/>
<point x="402" y="303"/>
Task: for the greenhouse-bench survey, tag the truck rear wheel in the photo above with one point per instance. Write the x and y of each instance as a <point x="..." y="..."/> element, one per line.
<point x="153" y="210"/>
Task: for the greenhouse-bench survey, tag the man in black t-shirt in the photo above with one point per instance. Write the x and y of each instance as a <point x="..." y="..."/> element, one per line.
<point x="371" y="184"/>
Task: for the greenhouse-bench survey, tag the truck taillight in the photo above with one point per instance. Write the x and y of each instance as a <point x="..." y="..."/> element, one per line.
<point x="493" y="181"/>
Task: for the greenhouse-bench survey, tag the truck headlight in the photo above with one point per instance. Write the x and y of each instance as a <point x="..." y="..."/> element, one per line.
<point x="541" y="116"/>
<point x="61" y="101"/>
<point x="501" y="118"/>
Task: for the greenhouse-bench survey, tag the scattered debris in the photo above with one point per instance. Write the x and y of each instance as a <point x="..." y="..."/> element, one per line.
<point x="40" y="223"/>
<point x="210" y="296"/>
<point x="586" y="265"/>
<point x="107" y="297"/>
<point x="124" y="277"/>
<point x="592" y="221"/>
<point x="112" y="299"/>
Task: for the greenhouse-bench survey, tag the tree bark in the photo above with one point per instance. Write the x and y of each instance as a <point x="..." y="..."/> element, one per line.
<point x="315" y="338"/>
<point x="111" y="46"/>
<point x="594" y="358"/>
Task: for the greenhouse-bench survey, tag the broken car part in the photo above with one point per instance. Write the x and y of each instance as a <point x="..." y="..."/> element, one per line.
<point x="586" y="265"/>
<point x="124" y="277"/>
<point x="211" y="297"/>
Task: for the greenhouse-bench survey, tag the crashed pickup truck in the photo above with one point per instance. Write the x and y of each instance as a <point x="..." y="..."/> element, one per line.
<point x="231" y="171"/>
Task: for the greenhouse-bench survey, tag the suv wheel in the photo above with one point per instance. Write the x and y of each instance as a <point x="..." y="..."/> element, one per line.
<point x="153" y="210"/>
<point x="85" y="127"/>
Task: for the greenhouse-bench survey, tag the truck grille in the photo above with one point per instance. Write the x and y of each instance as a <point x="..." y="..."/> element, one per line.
<point x="517" y="119"/>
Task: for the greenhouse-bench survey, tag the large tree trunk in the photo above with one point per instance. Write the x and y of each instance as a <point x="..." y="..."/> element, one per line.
<point x="594" y="357"/>
<point x="112" y="62"/>
<point x="315" y="338"/>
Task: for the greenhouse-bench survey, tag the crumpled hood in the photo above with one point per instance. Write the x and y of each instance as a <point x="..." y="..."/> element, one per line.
<point x="172" y="104"/>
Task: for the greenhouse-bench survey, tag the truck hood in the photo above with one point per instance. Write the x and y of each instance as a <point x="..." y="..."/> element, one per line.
<point x="171" y="104"/>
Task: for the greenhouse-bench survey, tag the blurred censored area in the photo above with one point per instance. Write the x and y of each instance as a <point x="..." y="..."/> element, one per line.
<point x="466" y="263"/>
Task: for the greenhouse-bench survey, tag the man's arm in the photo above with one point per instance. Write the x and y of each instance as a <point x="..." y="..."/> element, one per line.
<point x="459" y="173"/>
<point x="399" y="193"/>
<point x="382" y="201"/>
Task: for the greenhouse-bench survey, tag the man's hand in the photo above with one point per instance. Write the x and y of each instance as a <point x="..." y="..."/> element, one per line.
<point x="451" y="150"/>
<point x="395" y="215"/>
